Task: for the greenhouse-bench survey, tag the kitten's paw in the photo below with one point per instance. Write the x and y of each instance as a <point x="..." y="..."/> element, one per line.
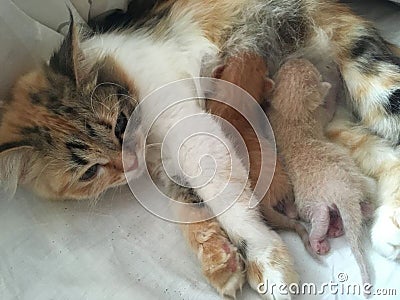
<point x="385" y="232"/>
<point x="270" y="274"/>
<point x="222" y="264"/>
<point x="320" y="247"/>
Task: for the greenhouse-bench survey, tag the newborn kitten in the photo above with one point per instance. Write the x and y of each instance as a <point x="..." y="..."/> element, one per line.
<point x="328" y="186"/>
<point x="249" y="72"/>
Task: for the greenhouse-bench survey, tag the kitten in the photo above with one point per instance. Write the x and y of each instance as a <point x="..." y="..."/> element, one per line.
<point x="380" y="160"/>
<point x="328" y="186"/>
<point x="249" y="71"/>
<point x="174" y="41"/>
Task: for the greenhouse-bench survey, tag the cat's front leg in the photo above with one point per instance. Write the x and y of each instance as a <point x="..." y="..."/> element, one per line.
<point x="222" y="183"/>
<point x="377" y="158"/>
<point x="385" y="232"/>
<point x="221" y="262"/>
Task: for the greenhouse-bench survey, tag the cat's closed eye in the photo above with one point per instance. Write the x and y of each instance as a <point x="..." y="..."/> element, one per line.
<point x="90" y="173"/>
<point x="120" y="126"/>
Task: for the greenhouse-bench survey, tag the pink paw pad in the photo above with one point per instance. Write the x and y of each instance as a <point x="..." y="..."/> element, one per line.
<point x="232" y="261"/>
<point x="320" y="247"/>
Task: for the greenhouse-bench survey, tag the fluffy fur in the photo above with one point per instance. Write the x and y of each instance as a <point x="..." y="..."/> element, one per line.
<point x="380" y="160"/>
<point x="180" y="39"/>
<point x="249" y="71"/>
<point x="327" y="183"/>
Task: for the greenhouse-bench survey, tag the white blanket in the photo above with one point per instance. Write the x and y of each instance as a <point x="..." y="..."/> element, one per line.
<point x="116" y="249"/>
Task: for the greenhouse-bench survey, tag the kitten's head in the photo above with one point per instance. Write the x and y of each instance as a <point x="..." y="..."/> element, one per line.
<point x="61" y="132"/>
<point x="299" y="89"/>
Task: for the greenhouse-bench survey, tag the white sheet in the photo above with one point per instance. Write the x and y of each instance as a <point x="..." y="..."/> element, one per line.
<point x="116" y="249"/>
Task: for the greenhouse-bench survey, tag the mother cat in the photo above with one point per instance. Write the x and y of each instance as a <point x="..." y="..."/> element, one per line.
<point x="62" y="130"/>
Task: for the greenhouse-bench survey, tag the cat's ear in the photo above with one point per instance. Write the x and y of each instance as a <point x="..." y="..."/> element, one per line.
<point x="69" y="60"/>
<point x="14" y="166"/>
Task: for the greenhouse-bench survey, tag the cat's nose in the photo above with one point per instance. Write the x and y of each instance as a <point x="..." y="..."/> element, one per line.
<point x="130" y="161"/>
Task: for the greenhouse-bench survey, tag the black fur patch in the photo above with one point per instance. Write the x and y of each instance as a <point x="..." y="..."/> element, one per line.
<point x="53" y="98"/>
<point x="54" y="104"/>
<point x="118" y="19"/>
<point x="366" y="45"/>
<point x="90" y="130"/>
<point x="107" y="125"/>
<point x="152" y="20"/>
<point x="242" y="247"/>
<point x="369" y="50"/>
<point x="11" y="145"/>
<point x="66" y="110"/>
<point x="36" y="98"/>
<point x="76" y="145"/>
<point x="38" y="135"/>
<point x="394" y="103"/>
<point x="63" y="61"/>
<point x="78" y="159"/>
<point x="194" y="197"/>
<point x="188" y="193"/>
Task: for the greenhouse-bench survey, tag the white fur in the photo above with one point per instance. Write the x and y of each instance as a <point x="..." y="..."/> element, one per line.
<point x="379" y="159"/>
<point x="384" y="234"/>
<point x="152" y="63"/>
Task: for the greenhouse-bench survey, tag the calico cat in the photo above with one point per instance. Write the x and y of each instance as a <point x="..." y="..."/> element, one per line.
<point x="52" y="139"/>
<point x="380" y="160"/>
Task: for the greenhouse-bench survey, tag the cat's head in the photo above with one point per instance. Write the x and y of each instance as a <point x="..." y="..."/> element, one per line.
<point x="62" y="129"/>
<point x="299" y="89"/>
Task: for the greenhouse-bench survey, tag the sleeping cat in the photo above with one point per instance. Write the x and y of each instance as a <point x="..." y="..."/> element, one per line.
<point x="64" y="144"/>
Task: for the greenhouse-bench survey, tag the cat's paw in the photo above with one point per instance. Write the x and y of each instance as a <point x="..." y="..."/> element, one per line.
<point x="320" y="247"/>
<point x="222" y="263"/>
<point x="385" y="232"/>
<point x="271" y="274"/>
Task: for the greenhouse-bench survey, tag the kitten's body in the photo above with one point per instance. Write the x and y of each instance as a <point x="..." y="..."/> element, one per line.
<point x="324" y="177"/>
<point x="180" y="39"/>
<point x="250" y="73"/>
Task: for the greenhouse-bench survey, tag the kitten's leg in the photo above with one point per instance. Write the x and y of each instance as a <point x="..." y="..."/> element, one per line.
<point x="319" y="228"/>
<point x="371" y="71"/>
<point x="290" y="208"/>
